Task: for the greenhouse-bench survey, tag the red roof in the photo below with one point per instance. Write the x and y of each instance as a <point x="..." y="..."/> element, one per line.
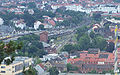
<point x="89" y="58"/>
<point x="113" y="41"/>
<point x="59" y="18"/>
<point x="42" y="66"/>
<point x="51" y="22"/>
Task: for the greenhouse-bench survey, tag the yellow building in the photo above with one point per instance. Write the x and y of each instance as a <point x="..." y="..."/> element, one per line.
<point x="16" y="67"/>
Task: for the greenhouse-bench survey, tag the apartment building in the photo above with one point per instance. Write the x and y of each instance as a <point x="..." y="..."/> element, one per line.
<point x="16" y="67"/>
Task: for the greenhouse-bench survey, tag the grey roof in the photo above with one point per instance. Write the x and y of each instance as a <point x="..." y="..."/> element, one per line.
<point x="6" y="29"/>
<point x="39" y="69"/>
<point x="93" y="50"/>
<point x="103" y="56"/>
<point x="45" y="44"/>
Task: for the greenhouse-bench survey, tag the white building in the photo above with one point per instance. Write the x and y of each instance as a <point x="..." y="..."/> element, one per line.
<point x="20" y="25"/>
<point x="50" y="56"/>
<point x="16" y="68"/>
<point x="36" y="25"/>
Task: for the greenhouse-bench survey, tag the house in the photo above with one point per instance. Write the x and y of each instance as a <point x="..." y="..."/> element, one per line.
<point x="46" y="25"/>
<point x="50" y="50"/>
<point x="59" y="64"/>
<point x="50" y="22"/>
<point x="19" y="23"/>
<point x="48" y="64"/>
<point x="37" y="24"/>
<point x="50" y="56"/>
<point x="59" y="19"/>
<point x="40" y="69"/>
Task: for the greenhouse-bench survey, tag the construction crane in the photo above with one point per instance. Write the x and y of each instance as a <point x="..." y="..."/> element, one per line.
<point x="115" y="58"/>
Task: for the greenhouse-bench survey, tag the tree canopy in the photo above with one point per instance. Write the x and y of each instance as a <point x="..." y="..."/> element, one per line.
<point x="53" y="71"/>
<point x="32" y="45"/>
<point x="6" y="50"/>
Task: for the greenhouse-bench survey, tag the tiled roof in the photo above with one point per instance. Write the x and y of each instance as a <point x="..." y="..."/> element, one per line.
<point x="95" y="58"/>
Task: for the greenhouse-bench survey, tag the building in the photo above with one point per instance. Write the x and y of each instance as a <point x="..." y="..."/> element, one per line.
<point x="40" y="69"/>
<point x="99" y="61"/>
<point x="16" y="68"/>
<point x="44" y="36"/>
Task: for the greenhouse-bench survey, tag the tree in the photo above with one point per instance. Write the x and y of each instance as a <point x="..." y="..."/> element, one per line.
<point x="84" y="42"/>
<point x="97" y="17"/>
<point x="100" y="42"/>
<point x="81" y="31"/>
<point x="93" y="72"/>
<point x="92" y="34"/>
<point x="110" y="47"/>
<point x="37" y="60"/>
<point x="32" y="45"/>
<point x="31" y="71"/>
<point x="117" y="1"/>
<point x="69" y="67"/>
<point x="110" y="71"/>
<point x="6" y="50"/>
<point x="31" y="5"/>
<point x="53" y="71"/>
<point x="68" y="48"/>
<point x="76" y="1"/>
<point x="41" y="27"/>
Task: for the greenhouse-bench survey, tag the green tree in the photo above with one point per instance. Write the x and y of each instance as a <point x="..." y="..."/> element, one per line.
<point x="117" y="1"/>
<point x="31" y="5"/>
<point x="84" y="42"/>
<point x="7" y="50"/>
<point x="32" y="46"/>
<point x="97" y="17"/>
<point x="110" y="71"/>
<point x="69" y="67"/>
<point x="53" y="71"/>
<point x="68" y="48"/>
<point x="92" y="34"/>
<point x="31" y="71"/>
<point x="93" y="72"/>
<point x="110" y="47"/>
<point x="81" y="31"/>
<point x="37" y="60"/>
<point x="41" y="27"/>
<point x="100" y="43"/>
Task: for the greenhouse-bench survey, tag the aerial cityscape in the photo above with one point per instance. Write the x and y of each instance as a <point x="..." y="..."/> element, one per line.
<point x="59" y="37"/>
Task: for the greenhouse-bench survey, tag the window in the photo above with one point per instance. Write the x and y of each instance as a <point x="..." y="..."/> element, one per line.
<point x="2" y="66"/>
<point x="2" y="71"/>
<point x="18" y="67"/>
<point x="12" y="66"/>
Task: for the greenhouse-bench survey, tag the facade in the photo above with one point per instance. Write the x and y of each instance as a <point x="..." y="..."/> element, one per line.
<point x="16" y="68"/>
<point x="44" y="36"/>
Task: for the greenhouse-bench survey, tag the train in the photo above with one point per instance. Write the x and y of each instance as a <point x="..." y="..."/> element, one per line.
<point x="6" y="37"/>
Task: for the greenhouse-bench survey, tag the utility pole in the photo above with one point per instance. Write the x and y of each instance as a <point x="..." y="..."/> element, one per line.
<point x="115" y="53"/>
